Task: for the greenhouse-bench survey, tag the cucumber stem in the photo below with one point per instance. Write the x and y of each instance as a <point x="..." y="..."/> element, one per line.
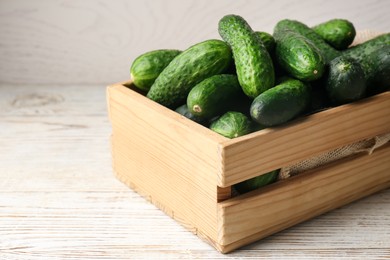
<point x="197" y="108"/>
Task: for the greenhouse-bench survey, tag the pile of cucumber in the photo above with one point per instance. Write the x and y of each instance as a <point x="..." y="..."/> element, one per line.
<point x="251" y="80"/>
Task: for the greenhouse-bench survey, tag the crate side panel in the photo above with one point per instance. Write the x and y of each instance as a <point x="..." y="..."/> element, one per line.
<point x="277" y="147"/>
<point x="165" y="187"/>
<point x="167" y="133"/>
<point x="162" y="159"/>
<point x="255" y="215"/>
<point x="128" y="95"/>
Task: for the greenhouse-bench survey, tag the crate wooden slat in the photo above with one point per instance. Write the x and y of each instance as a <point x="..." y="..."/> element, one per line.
<point x="306" y="137"/>
<point x="266" y="211"/>
<point x="187" y="170"/>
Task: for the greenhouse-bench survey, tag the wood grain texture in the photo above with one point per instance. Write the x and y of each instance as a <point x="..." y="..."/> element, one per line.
<point x="273" y="148"/>
<point x="94" y="42"/>
<point x="167" y="160"/>
<point x="59" y="198"/>
<point x="264" y="212"/>
<point x="167" y="157"/>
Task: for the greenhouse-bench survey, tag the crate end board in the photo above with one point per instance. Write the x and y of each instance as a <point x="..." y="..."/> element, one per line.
<point x="166" y="158"/>
<point x="128" y="90"/>
<point x="180" y="219"/>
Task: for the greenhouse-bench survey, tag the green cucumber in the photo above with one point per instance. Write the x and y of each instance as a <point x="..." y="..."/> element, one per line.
<point x="232" y="124"/>
<point x="339" y="33"/>
<point x="281" y="103"/>
<point x="145" y="68"/>
<point x="214" y="96"/>
<point x="319" y="97"/>
<point x="346" y="81"/>
<point x="270" y="44"/>
<point x="377" y="72"/>
<point x="253" y="63"/>
<point x="193" y="65"/>
<point x="298" y="56"/>
<point x="373" y="56"/>
<point x="327" y="51"/>
<point x="183" y="110"/>
<point x="257" y="182"/>
<point x="360" y="51"/>
<point x="268" y="41"/>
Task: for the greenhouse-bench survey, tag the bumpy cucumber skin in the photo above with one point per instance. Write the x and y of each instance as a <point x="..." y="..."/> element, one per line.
<point x="268" y="41"/>
<point x="270" y="44"/>
<point x="193" y="65"/>
<point x="145" y="68"/>
<point x="339" y="33"/>
<point x="377" y="65"/>
<point x="319" y="97"/>
<point x="298" y="56"/>
<point x="213" y="96"/>
<point x="360" y="51"/>
<point x="281" y="103"/>
<point x="232" y="124"/>
<point x="327" y="51"/>
<point x="346" y="81"/>
<point x="373" y="61"/>
<point x="253" y="63"/>
<point x="184" y="111"/>
<point x="256" y="182"/>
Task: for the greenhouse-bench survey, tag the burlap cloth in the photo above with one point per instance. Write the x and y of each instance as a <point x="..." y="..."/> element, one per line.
<point x="364" y="146"/>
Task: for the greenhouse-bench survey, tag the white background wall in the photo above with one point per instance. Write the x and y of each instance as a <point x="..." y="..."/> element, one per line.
<point x="94" y="42"/>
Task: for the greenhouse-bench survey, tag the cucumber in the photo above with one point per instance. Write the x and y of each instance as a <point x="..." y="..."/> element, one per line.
<point x="253" y="63"/>
<point x="270" y="43"/>
<point x="377" y="72"/>
<point x="145" y="68"/>
<point x="374" y="61"/>
<point x="183" y="110"/>
<point x="298" y="56"/>
<point x="281" y="103"/>
<point x="256" y="182"/>
<point x="232" y="124"/>
<point x="360" y="51"/>
<point x="327" y="51"/>
<point x="190" y="67"/>
<point x="267" y="40"/>
<point x="346" y="81"/>
<point x="319" y="97"/>
<point x="339" y="33"/>
<point x="213" y="96"/>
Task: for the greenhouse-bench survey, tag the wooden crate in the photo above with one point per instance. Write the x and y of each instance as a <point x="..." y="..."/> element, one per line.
<point x="188" y="170"/>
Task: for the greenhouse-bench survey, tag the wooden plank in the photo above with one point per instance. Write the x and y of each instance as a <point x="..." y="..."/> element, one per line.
<point x="253" y="216"/>
<point x="154" y="112"/>
<point x="187" y="201"/>
<point x="120" y="224"/>
<point x="166" y="157"/>
<point x="54" y="138"/>
<point x="56" y="101"/>
<point x="260" y="152"/>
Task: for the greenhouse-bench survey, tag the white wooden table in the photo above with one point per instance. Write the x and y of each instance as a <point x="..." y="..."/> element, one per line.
<point x="59" y="198"/>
